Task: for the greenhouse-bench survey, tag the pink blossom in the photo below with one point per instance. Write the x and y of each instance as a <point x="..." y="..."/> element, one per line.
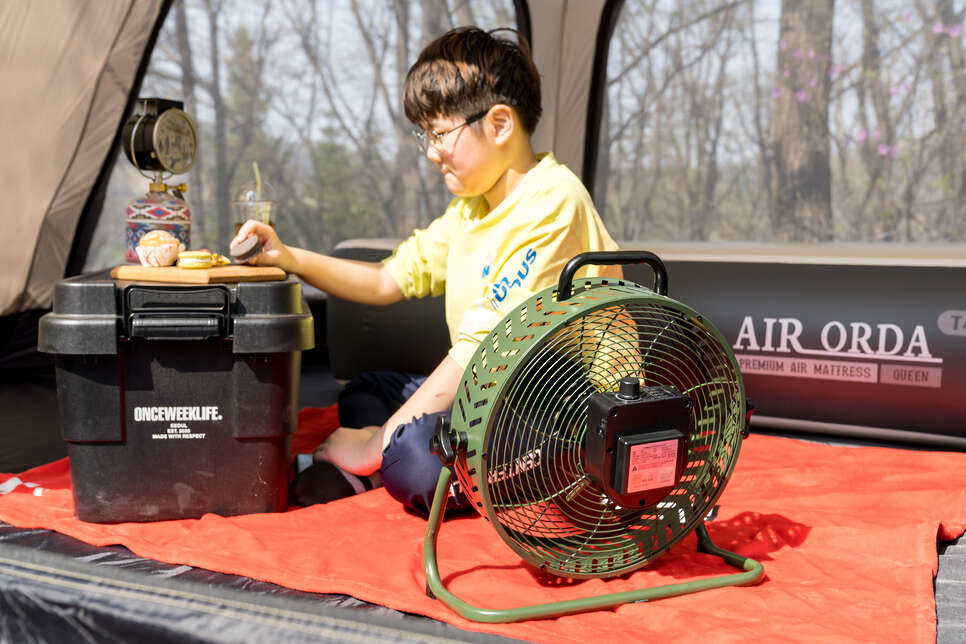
<point x="798" y="53"/>
<point x="883" y="149"/>
<point x="907" y="17"/>
<point x="811" y="53"/>
<point x="783" y="45"/>
<point x="799" y="96"/>
<point x="955" y="32"/>
<point x="786" y="73"/>
<point x="894" y="153"/>
<point x="938" y="28"/>
<point x="862" y="136"/>
<point x="776" y="92"/>
<point x="893" y="91"/>
<point x="812" y="82"/>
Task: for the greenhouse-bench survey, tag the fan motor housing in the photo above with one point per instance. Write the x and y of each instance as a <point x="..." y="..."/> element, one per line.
<point x="636" y="444"/>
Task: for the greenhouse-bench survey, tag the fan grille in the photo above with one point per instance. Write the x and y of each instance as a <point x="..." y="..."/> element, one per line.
<point x="529" y="385"/>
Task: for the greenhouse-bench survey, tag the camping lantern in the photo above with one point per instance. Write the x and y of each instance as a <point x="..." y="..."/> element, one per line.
<point x="161" y="138"/>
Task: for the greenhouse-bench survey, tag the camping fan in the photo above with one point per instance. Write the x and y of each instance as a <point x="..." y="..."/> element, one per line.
<point x="595" y="427"/>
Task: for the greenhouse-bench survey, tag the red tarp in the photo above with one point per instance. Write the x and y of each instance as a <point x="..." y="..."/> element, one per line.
<point x="847" y="537"/>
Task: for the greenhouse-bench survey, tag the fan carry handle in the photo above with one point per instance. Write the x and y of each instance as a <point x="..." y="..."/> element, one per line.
<point x="565" y="285"/>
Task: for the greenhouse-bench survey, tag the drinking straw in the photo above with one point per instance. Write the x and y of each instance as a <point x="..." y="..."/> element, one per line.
<point x="263" y="215"/>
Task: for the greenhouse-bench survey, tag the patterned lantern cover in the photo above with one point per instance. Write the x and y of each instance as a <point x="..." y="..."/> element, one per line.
<point x="156" y="211"/>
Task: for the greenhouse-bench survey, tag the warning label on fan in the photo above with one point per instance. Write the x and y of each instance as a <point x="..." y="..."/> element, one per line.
<point x="651" y="466"/>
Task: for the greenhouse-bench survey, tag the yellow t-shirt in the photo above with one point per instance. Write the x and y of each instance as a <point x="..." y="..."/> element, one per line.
<point x="487" y="263"/>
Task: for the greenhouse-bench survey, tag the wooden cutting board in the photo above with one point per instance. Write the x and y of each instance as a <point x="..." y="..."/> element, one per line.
<point x="213" y="275"/>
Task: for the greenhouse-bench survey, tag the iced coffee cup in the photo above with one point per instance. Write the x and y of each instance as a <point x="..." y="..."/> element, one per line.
<point x="242" y="211"/>
<point x="254" y="199"/>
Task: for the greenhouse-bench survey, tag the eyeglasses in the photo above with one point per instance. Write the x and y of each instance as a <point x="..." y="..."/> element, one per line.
<point x="435" y="139"/>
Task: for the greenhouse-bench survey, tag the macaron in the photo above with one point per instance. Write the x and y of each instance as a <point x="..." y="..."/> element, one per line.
<point x="200" y="259"/>
<point x="245" y="249"/>
<point x="194" y="259"/>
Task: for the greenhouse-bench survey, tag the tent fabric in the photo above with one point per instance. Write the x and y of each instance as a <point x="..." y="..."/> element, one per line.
<point x="564" y="37"/>
<point x="68" y="69"/>
<point x="847" y="536"/>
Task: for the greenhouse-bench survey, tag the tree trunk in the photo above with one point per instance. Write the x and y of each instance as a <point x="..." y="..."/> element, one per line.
<point x="953" y="227"/>
<point x="760" y="131"/>
<point x="803" y="204"/>
<point x="464" y="14"/>
<point x="433" y="194"/>
<point x="188" y="83"/>
<point x="222" y="189"/>
<point x="402" y="186"/>
<point x="603" y="177"/>
<point x="882" y="225"/>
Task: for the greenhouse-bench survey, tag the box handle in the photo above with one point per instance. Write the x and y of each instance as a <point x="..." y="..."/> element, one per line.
<point x="167" y="327"/>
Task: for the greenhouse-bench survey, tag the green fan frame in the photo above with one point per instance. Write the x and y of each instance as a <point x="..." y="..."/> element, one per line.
<point x="490" y="371"/>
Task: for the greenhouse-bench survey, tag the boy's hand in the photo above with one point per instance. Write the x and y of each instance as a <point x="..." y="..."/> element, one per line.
<point x="358" y="451"/>
<point x="274" y="252"/>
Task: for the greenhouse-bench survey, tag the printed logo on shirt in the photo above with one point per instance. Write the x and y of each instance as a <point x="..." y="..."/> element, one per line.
<point x="502" y="287"/>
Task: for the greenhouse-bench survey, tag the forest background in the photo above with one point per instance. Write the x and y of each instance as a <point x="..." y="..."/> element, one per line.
<point x="748" y="120"/>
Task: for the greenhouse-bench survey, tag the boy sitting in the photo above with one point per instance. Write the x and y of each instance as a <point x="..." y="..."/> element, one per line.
<point x="515" y="221"/>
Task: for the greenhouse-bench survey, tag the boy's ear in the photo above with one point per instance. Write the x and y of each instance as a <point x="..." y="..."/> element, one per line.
<point x="503" y="121"/>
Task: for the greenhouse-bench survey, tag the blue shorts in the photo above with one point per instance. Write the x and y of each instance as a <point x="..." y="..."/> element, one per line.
<point x="409" y="470"/>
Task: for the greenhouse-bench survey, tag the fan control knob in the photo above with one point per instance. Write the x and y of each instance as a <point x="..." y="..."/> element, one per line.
<point x="630" y="388"/>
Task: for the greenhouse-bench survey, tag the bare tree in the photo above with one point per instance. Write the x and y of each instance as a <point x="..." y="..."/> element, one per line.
<point x="189" y="81"/>
<point x="755" y="120"/>
<point x="703" y="98"/>
<point x="856" y="134"/>
<point x="898" y="141"/>
<point x="664" y="121"/>
<point x="952" y="225"/>
<point x="874" y="90"/>
<point x="803" y="196"/>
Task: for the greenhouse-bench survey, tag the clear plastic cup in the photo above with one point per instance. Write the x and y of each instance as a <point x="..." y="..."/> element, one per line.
<point x="242" y="211"/>
<point x="253" y="200"/>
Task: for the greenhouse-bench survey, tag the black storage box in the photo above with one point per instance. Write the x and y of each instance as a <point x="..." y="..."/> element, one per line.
<point x="177" y="400"/>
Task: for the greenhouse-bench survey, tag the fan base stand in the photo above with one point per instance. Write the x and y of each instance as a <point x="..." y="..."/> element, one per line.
<point x="753" y="572"/>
